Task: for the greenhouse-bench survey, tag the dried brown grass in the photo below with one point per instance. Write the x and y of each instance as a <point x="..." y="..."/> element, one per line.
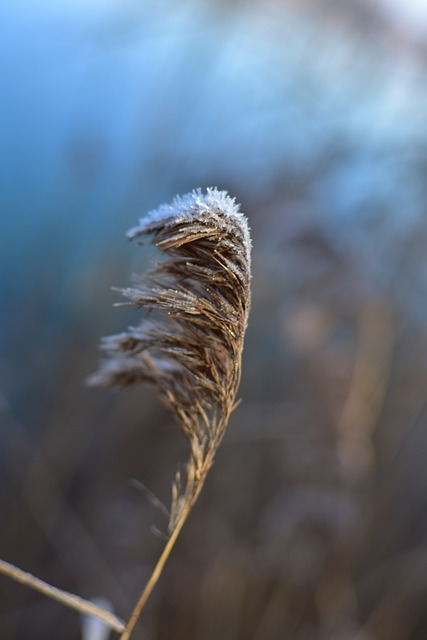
<point x="191" y="353"/>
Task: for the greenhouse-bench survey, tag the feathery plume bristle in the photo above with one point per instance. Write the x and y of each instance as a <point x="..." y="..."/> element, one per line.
<point x="191" y="351"/>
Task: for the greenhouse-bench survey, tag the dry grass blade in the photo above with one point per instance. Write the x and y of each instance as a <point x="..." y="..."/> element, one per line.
<point x="191" y="352"/>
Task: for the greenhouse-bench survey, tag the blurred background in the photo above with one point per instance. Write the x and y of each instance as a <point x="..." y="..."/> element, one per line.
<point x="313" y="114"/>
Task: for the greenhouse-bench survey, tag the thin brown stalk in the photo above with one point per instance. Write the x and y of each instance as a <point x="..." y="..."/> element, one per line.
<point x="154" y="578"/>
<point x="191" y="350"/>
<point x="68" y="599"/>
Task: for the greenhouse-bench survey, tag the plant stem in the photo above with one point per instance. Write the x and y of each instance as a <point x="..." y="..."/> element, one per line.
<point x="68" y="599"/>
<point x="154" y="577"/>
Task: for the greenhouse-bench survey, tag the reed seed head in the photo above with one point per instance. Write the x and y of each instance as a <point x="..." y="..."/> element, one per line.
<point x="191" y="349"/>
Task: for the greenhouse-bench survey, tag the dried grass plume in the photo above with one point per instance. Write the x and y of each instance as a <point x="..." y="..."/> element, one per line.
<point x="192" y="352"/>
<point x="190" y="348"/>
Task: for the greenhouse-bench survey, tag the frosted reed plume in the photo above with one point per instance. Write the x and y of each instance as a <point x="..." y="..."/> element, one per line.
<point x="191" y="351"/>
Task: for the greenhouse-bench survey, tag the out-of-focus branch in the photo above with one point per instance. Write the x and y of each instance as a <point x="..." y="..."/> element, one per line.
<point x="66" y="598"/>
<point x="367" y="391"/>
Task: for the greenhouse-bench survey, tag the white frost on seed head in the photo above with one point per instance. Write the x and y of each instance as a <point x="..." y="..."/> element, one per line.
<point x="192" y="206"/>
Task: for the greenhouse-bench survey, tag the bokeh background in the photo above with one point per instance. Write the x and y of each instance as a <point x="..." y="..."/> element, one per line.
<point x="313" y="114"/>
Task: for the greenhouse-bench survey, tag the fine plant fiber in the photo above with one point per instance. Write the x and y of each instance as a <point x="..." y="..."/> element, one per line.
<point x="190" y="348"/>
